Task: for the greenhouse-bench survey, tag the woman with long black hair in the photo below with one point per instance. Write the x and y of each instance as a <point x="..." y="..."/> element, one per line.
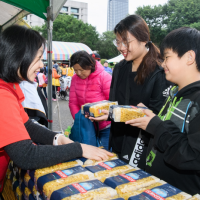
<point x="137" y="78"/>
<point x="20" y="59"/>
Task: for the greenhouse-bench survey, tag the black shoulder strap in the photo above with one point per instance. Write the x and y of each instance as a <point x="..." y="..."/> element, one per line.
<point x="192" y="99"/>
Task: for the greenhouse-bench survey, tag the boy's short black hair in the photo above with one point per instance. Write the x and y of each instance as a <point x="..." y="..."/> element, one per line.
<point x="18" y="48"/>
<point x="181" y="41"/>
<point x="84" y="60"/>
<point x="41" y="70"/>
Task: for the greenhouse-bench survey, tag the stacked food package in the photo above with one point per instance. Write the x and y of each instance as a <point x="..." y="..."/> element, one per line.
<point x="91" y="180"/>
<point x="110" y="179"/>
<point x="95" y="109"/>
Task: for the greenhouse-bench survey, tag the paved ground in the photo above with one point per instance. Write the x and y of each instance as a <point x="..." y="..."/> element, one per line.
<point x="66" y="118"/>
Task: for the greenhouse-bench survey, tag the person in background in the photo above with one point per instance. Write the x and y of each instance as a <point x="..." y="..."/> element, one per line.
<point x="20" y="59"/>
<point x="59" y="70"/>
<point x="90" y="84"/>
<point x="137" y="78"/>
<point x="70" y="71"/>
<point x="55" y="83"/>
<point x="64" y="70"/>
<point x="96" y="56"/>
<point x="45" y="69"/>
<point x="41" y="81"/>
<point x="35" y="104"/>
<point x="106" y="68"/>
<point x="55" y="65"/>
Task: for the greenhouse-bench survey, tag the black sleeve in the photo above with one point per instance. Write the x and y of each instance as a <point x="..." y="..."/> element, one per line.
<point x="181" y="150"/>
<point x="39" y="134"/>
<point x="111" y="98"/>
<point x="157" y="96"/>
<point x="26" y="155"/>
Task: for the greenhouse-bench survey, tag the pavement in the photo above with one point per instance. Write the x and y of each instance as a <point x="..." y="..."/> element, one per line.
<point x="65" y="115"/>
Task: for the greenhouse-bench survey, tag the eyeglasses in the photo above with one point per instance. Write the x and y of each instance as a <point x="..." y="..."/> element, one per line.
<point x="118" y="43"/>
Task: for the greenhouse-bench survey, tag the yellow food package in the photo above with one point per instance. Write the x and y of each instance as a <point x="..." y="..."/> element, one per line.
<point x="95" y="109"/>
<point x="61" y="166"/>
<point x="130" y="180"/>
<point x="27" y="192"/>
<point x="18" y="193"/>
<point x="59" y="179"/>
<point x="102" y="170"/>
<point x="92" y="189"/>
<point x="159" y="190"/>
<point x="125" y="113"/>
<point x="89" y="162"/>
<point x="195" y="197"/>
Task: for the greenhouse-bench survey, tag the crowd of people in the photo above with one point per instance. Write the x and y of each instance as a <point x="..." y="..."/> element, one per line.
<point x="59" y="70"/>
<point x="164" y="143"/>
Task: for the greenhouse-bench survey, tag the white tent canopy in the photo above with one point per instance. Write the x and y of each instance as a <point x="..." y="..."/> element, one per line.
<point x="10" y="14"/>
<point x="116" y="59"/>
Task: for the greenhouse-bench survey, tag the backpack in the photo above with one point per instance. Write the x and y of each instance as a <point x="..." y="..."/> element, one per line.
<point x="83" y="131"/>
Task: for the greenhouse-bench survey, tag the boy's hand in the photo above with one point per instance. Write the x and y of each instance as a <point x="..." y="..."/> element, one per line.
<point x="142" y="122"/>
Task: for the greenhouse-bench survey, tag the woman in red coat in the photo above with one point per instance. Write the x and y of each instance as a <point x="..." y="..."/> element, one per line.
<point x="20" y="59"/>
<point x="90" y="84"/>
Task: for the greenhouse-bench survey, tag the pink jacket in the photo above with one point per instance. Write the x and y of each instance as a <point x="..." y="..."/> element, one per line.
<point x="96" y="87"/>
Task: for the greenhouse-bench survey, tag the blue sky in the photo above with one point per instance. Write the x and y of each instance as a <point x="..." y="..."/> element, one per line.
<point x="97" y="11"/>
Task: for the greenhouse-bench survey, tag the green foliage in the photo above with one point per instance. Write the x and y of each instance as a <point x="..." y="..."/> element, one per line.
<point x="68" y="29"/>
<point x="154" y="18"/>
<point x="172" y="15"/>
<point x="105" y="45"/>
<point x="103" y="60"/>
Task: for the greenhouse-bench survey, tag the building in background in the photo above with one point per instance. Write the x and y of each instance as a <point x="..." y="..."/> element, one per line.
<point x="117" y="10"/>
<point x="78" y="9"/>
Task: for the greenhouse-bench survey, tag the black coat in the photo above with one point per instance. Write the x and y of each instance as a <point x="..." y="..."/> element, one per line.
<point x="124" y="139"/>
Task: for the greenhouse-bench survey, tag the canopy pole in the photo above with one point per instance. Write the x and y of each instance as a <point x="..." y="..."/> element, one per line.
<point x="49" y="54"/>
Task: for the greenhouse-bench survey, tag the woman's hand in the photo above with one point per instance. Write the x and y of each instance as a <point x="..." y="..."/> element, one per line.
<point x="94" y="153"/>
<point x="142" y="122"/>
<point x="64" y="140"/>
<point x="141" y="105"/>
<point x="101" y="118"/>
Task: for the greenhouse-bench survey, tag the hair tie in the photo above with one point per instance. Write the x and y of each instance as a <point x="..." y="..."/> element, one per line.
<point x="148" y="43"/>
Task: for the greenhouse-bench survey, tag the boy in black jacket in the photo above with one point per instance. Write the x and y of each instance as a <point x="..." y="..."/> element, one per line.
<point x="174" y="150"/>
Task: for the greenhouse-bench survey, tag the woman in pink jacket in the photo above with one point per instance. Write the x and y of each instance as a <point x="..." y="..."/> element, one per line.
<point x="90" y="84"/>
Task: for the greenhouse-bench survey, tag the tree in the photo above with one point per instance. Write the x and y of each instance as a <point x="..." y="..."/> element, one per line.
<point x="182" y="13"/>
<point x="68" y="29"/>
<point x="105" y="46"/>
<point x="154" y="17"/>
<point x="172" y="15"/>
